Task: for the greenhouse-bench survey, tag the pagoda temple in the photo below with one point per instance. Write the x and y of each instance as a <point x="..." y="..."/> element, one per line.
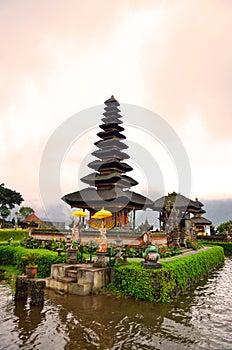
<point x="199" y="221"/>
<point x="189" y="213"/>
<point x="109" y="186"/>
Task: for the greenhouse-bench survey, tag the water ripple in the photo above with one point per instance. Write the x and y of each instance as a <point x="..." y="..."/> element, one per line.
<point x="199" y="319"/>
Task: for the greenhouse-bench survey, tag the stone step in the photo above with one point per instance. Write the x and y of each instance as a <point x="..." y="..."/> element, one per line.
<point x="72" y="274"/>
<point x="66" y="279"/>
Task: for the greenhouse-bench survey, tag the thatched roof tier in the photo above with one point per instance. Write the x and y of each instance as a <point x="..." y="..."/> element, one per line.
<point x="110" y="153"/>
<point x="111" y="126"/>
<point x="112" y="119"/>
<point x="201" y="221"/>
<point x="111" y="102"/>
<point x="180" y="201"/>
<point x="111" y="134"/>
<point x="199" y="203"/>
<point x="112" y="143"/>
<point x="90" y="198"/>
<point x="112" y="112"/>
<point x="113" y="178"/>
<point x="110" y="165"/>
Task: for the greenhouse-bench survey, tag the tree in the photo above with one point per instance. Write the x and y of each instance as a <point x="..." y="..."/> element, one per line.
<point x="8" y="199"/>
<point x="24" y="212"/>
<point x="224" y="227"/>
<point x="4" y="212"/>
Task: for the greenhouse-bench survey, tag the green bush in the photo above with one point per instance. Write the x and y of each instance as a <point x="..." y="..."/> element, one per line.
<point x="132" y="252"/>
<point x="16" y="235"/>
<point x="227" y="246"/>
<point x="163" y="284"/>
<point x="11" y="255"/>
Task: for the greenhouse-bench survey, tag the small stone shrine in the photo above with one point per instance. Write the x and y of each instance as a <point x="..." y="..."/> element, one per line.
<point x="151" y="257"/>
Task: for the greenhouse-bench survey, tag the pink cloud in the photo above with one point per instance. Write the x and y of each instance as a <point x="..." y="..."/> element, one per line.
<point x="192" y="69"/>
<point x="27" y="28"/>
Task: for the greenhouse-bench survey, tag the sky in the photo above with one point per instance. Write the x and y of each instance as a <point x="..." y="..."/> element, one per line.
<point x="173" y="58"/>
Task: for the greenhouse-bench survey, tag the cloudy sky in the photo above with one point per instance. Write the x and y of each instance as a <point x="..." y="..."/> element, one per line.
<point x="174" y="58"/>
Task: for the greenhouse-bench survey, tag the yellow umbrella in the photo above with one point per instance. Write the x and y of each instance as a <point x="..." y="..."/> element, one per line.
<point x="102" y="214"/>
<point x="79" y="213"/>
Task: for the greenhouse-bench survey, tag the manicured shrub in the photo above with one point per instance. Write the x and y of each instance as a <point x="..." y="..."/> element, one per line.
<point x="12" y="234"/>
<point x="163" y="284"/>
<point x="11" y="255"/>
<point x="227" y="246"/>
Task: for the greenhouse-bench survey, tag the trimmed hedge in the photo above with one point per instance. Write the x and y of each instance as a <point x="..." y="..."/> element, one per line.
<point x="227" y="246"/>
<point x="12" y="255"/>
<point x="16" y="235"/>
<point x="161" y="285"/>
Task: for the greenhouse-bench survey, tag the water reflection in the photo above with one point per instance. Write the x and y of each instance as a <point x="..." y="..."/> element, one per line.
<point x="199" y="319"/>
<point x="27" y="320"/>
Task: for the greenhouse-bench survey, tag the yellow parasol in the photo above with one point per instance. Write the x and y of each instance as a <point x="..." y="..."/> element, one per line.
<point x="102" y="214"/>
<point x="79" y="213"/>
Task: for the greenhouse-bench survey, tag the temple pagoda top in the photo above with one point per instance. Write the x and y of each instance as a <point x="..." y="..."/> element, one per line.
<point x="109" y="169"/>
<point x="109" y="182"/>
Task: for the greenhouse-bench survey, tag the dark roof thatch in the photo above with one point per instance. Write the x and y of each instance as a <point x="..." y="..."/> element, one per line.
<point x="111" y="199"/>
<point x="111" y="126"/>
<point x="110" y="143"/>
<point x="110" y="153"/>
<point x="113" y="164"/>
<point x="180" y="201"/>
<point x="111" y="102"/>
<point x="201" y="221"/>
<point x="110" y="118"/>
<point x="95" y="179"/>
<point x="110" y="134"/>
<point x="199" y="203"/>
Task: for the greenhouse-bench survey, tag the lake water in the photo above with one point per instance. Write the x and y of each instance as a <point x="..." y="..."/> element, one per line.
<point x="199" y="319"/>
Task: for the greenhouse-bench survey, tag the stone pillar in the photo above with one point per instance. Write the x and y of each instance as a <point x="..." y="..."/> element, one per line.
<point x="101" y="260"/>
<point x="21" y="288"/>
<point x="72" y="256"/>
<point x="37" y="291"/>
<point x="133" y="219"/>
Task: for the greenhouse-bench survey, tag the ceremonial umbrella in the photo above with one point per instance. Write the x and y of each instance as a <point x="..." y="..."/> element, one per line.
<point x="79" y="213"/>
<point x="102" y="214"/>
<point x="76" y="230"/>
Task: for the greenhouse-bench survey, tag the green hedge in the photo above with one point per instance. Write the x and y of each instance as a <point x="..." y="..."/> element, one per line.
<point x="12" y="255"/>
<point x="227" y="246"/>
<point x="163" y="284"/>
<point x="16" y="235"/>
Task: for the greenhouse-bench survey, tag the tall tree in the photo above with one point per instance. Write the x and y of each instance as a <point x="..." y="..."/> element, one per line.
<point x="8" y="199"/>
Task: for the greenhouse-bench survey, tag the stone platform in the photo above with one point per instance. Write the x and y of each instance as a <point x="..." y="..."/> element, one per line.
<point x="79" y="279"/>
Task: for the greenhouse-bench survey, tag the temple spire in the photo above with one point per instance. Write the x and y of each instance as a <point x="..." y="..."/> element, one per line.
<point x="109" y="168"/>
